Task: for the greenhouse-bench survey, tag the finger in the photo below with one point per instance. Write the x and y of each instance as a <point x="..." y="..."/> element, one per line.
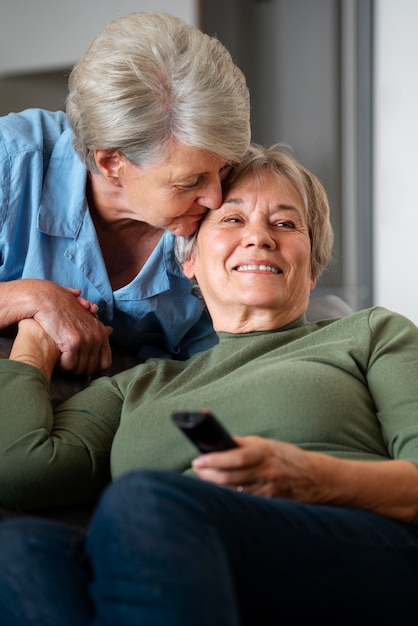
<point x="260" y="488"/>
<point x="86" y="350"/>
<point x="94" y="360"/>
<point x="224" y="460"/>
<point x="105" y="358"/>
<point x="75" y="292"/>
<point x="225" y="478"/>
<point x="86" y="304"/>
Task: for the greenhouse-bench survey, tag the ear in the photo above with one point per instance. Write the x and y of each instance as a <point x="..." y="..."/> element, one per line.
<point x="109" y="163"/>
<point x="188" y="269"/>
<point x="313" y="282"/>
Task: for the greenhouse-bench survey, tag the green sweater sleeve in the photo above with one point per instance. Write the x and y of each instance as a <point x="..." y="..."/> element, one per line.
<point x="52" y="457"/>
<point x="392" y="380"/>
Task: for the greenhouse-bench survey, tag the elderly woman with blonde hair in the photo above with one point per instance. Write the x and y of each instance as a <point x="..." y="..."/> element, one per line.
<point x="313" y="512"/>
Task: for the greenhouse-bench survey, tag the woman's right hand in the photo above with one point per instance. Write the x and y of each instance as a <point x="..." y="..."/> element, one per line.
<point x="267" y="467"/>
<point x="260" y="466"/>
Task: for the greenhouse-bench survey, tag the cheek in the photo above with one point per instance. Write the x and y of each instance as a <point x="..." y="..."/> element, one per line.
<point x="210" y="255"/>
<point x="301" y="261"/>
<point x="302" y="253"/>
<point x="178" y="204"/>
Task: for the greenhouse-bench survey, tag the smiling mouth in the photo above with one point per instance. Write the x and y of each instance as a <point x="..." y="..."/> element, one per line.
<point x="256" y="267"/>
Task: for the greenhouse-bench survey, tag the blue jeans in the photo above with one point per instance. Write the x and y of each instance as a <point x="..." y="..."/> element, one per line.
<point x="168" y="550"/>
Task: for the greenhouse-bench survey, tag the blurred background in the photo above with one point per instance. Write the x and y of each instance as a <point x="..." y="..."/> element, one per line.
<point x="337" y="80"/>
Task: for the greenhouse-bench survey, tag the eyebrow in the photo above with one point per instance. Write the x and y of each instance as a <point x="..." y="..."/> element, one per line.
<point x="234" y="201"/>
<point x="290" y="208"/>
<point x="279" y="207"/>
<point x="183" y="177"/>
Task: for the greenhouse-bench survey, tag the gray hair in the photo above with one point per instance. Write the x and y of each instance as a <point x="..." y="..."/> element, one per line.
<point x="149" y="78"/>
<point x="278" y="160"/>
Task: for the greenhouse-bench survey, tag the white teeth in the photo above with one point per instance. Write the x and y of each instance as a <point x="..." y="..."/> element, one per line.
<point x="263" y="268"/>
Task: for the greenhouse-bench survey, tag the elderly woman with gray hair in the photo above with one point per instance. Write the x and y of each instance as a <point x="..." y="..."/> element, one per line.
<point x="312" y="513"/>
<point x="156" y="112"/>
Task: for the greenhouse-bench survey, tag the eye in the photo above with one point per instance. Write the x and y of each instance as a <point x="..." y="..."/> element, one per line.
<point x="232" y="219"/>
<point x="192" y="185"/>
<point x="285" y="224"/>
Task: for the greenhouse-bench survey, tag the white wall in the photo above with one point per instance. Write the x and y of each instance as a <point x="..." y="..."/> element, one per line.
<point x="38" y="35"/>
<point x="396" y="157"/>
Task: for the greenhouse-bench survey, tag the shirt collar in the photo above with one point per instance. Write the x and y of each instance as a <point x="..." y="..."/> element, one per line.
<point x="63" y="202"/>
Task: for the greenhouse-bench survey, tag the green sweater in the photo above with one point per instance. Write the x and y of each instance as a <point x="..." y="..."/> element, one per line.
<point x="346" y="387"/>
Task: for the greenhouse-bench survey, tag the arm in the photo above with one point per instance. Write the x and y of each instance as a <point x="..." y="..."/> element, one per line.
<point x="271" y="468"/>
<point x="71" y="321"/>
<point x="49" y="457"/>
<point x="388" y="487"/>
<point x="35" y="347"/>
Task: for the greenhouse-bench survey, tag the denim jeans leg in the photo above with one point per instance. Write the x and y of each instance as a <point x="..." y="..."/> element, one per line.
<point x="169" y="549"/>
<point x="140" y="532"/>
<point x="44" y="575"/>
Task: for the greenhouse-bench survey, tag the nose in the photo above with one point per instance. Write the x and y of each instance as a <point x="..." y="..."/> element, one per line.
<point x="211" y="198"/>
<point x="258" y="234"/>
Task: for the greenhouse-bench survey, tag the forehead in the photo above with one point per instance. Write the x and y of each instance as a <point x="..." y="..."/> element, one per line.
<point x="182" y="161"/>
<point x="272" y="187"/>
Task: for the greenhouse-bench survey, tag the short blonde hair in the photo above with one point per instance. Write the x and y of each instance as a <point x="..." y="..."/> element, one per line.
<point x="279" y="160"/>
<point x="149" y="78"/>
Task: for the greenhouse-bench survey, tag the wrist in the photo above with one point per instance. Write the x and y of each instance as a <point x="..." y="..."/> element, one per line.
<point x="35" y="347"/>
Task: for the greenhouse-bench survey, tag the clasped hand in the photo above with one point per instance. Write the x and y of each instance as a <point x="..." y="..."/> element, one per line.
<point x="71" y="322"/>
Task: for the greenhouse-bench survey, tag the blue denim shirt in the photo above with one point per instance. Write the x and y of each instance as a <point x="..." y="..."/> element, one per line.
<point x="46" y="231"/>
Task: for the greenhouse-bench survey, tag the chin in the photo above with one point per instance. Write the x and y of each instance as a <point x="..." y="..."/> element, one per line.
<point x="184" y="230"/>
